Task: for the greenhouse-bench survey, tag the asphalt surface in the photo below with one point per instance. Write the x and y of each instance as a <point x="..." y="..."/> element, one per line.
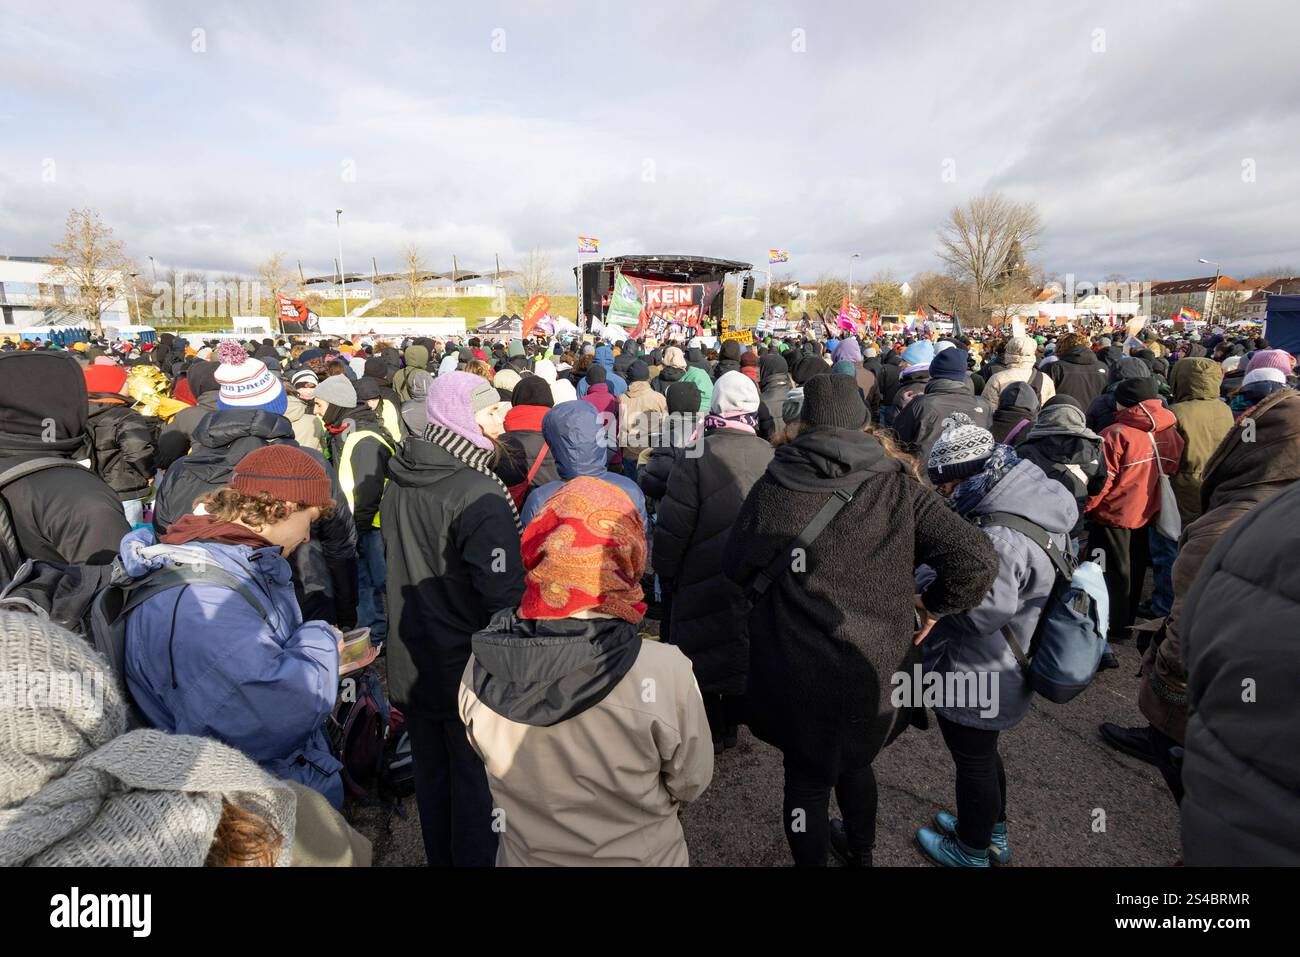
<point x="1059" y="776"/>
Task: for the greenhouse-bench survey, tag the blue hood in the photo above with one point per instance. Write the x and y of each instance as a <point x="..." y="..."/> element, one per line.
<point x="605" y="356"/>
<point x="1026" y="491"/>
<point x="572" y="430"/>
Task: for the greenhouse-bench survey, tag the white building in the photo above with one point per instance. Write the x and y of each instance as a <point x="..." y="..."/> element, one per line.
<point x="30" y="297"/>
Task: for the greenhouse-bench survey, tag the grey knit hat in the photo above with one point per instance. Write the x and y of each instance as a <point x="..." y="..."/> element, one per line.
<point x="337" y="390"/>
<point x="960" y="451"/>
<point x="75" y="790"/>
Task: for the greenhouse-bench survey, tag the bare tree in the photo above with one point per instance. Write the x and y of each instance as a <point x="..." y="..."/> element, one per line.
<point x="92" y="262"/>
<point x="537" y="277"/>
<point x="943" y="290"/>
<point x="831" y="291"/>
<point x="883" y="294"/>
<point x="414" y="268"/>
<point x="985" y="242"/>
<point x="271" y="274"/>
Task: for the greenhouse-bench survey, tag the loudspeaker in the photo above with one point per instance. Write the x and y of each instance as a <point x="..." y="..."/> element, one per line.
<point x="747" y="288"/>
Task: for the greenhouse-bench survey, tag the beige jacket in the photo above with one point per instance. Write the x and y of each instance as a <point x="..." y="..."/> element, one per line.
<point x="603" y="787"/>
<point x="640" y="410"/>
<point x="1021" y="353"/>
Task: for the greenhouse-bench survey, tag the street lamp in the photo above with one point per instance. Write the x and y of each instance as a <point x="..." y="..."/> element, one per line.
<point x="135" y="289"/>
<point x="1214" y="297"/>
<point x="343" y="277"/>
<point x="154" y="266"/>
<point x="851" y="258"/>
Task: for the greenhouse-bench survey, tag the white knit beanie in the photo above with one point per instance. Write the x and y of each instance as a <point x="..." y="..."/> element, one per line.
<point x="246" y="383"/>
<point x="734" y="392"/>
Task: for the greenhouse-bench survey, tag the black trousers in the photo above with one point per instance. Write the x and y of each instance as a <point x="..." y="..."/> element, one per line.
<point x="451" y="792"/>
<point x="1127" y="556"/>
<point x="724" y="711"/>
<point x="981" y="781"/>
<point x="806" y="812"/>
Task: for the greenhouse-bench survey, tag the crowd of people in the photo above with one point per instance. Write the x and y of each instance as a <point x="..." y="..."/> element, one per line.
<point x="807" y="519"/>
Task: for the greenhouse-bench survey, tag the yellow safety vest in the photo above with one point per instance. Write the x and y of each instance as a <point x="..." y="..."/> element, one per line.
<point x="348" y="481"/>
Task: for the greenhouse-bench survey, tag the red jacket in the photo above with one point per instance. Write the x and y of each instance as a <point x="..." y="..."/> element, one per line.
<point x="1131" y="496"/>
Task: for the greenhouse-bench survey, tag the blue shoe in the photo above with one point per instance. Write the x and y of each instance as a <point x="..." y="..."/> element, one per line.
<point x="950" y="851"/>
<point x="999" y="850"/>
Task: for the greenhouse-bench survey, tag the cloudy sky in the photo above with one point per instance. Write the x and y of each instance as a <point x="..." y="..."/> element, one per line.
<point x="211" y="134"/>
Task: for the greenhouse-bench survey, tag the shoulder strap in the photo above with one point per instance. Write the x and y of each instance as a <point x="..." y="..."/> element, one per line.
<point x="537" y="463"/>
<point x="32" y="466"/>
<point x="1032" y="531"/>
<point x="834" y="505"/>
<point x="177" y="576"/>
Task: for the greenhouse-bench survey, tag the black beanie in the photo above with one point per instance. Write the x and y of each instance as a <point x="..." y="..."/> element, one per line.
<point x="731" y="350"/>
<point x="683" y="397"/>
<point x="367" y="388"/>
<point x="533" y="390"/>
<point x="597" y="374"/>
<point x="638" y="371"/>
<point x="1130" y="392"/>
<point x="833" y="400"/>
<point x="807" y="367"/>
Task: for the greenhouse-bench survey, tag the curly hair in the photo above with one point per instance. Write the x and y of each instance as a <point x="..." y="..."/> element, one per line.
<point x="255" y="511"/>
<point x="243" y="839"/>
<point x="480" y="368"/>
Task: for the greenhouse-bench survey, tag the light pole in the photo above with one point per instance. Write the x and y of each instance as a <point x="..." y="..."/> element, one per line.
<point x="154" y="266"/>
<point x="135" y="289"/>
<point x="1214" y="300"/>
<point x="343" y="277"/>
<point x="851" y="258"/>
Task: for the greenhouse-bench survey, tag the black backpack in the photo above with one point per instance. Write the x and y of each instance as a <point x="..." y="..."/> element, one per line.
<point x="11" y="551"/>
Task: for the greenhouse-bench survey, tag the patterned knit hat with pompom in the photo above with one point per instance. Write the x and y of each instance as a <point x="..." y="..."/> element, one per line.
<point x="960" y="451"/>
<point x="246" y="383"/>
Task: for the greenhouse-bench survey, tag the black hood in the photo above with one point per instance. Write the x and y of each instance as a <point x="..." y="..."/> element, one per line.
<point x="225" y="427"/>
<point x="38" y="389"/>
<point x="202" y="377"/>
<point x="543" y="672"/>
<point x="1079" y="355"/>
<point x="822" y="459"/>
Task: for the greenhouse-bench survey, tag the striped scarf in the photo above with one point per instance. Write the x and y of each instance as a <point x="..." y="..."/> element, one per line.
<point x="463" y="450"/>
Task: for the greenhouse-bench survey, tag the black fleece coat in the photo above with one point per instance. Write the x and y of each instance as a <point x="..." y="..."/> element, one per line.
<point x="453" y="562"/>
<point x="705" y="491"/>
<point x="826" y="638"/>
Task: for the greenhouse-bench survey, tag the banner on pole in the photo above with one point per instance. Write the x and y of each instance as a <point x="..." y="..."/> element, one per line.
<point x="625" y="304"/>
<point x="588" y="244"/>
<point x="778" y="256"/>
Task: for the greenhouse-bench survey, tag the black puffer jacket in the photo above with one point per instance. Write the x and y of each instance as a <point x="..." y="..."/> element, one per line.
<point x="453" y="562"/>
<point x="705" y="491"/>
<point x="920" y="423"/>
<point x="325" y="569"/>
<point x="825" y="641"/>
<point x="1240" y="774"/>
<point x="65" y="514"/>
<point x="1079" y="373"/>
<point x="125" y="445"/>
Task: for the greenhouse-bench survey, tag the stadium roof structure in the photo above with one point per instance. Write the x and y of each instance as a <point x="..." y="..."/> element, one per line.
<point x="455" y="275"/>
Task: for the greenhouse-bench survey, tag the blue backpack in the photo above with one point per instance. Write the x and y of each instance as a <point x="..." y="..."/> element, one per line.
<point x="1067" y="645"/>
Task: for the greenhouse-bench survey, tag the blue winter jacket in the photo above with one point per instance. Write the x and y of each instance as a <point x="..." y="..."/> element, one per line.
<point x="972" y="643"/>
<point x="200" y="660"/>
<point x="572" y="430"/>
<point x="617" y="384"/>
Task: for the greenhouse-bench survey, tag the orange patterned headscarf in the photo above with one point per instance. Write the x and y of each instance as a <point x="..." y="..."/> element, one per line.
<point x="585" y="549"/>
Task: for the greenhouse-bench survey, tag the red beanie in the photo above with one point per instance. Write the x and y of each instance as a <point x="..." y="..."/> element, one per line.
<point x="104" y="378"/>
<point x="284" y="472"/>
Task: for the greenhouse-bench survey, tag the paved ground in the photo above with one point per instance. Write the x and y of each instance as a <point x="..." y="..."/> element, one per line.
<point x="1058" y="775"/>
